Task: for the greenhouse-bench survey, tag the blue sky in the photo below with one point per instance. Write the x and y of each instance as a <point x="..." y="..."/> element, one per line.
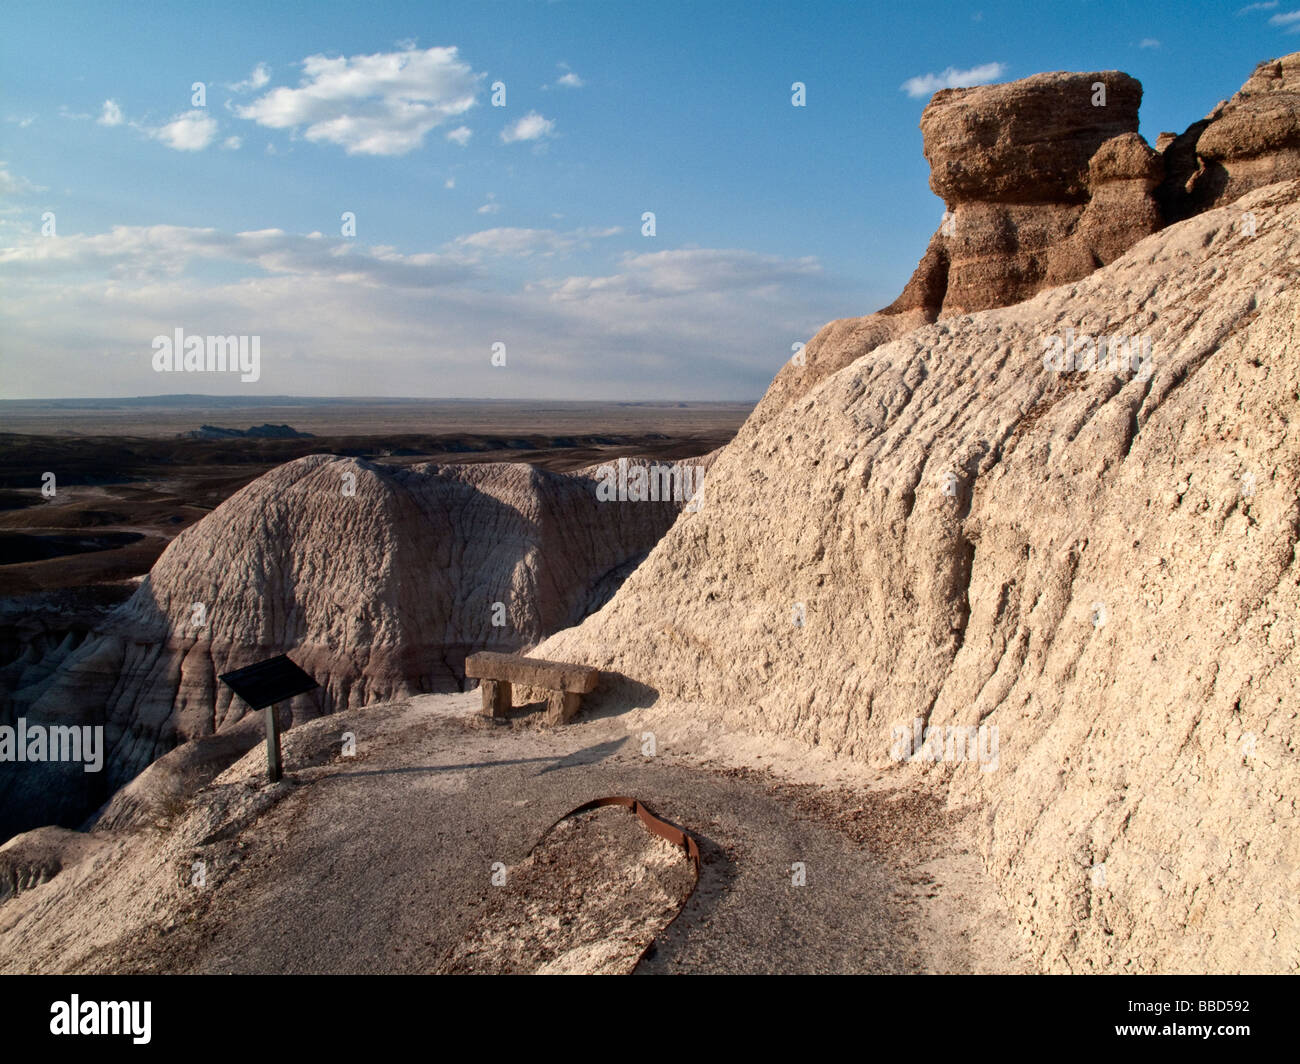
<point x="520" y="224"/>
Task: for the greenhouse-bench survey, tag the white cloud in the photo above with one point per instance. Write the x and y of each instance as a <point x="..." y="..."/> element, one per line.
<point x="13" y="185"/>
<point x="259" y="78"/>
<point x="692" y="270"/>
<point x="952" y="78"/>
<point x="232" y="143"/>
<point x="691" y="324"/>
<point x="1258" y="7"/>
<point x="191" y="131"/>
<point x="567" y="80"/>
<point x="519" y="243"/>
<point x="489" y="208"/>
<point x="460" y="135"/>
<point x="523" y="243"/>
<point x="449" y="183"/>
<point x="150" y="252"/>
<point x="531" y="127"/>
<point x="1290" y="19"/>
<point x="1149" y="42"/>
<point x="381" y="104"/>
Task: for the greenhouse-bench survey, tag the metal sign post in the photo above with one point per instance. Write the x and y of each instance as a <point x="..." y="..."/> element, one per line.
<point x="263" y="685"/>
<point x="274" y="763"/>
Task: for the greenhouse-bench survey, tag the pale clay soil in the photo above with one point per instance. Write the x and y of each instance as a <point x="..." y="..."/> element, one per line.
<point x="382" y="862"/>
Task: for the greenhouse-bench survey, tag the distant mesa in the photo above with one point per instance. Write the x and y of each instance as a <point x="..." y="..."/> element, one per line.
<point x="256" y="432"/>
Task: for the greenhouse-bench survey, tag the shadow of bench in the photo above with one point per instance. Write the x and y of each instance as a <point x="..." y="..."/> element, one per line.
<point x="499" y="673"/>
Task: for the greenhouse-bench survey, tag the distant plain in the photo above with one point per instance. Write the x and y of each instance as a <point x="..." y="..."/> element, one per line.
<point x="129" y="478"/>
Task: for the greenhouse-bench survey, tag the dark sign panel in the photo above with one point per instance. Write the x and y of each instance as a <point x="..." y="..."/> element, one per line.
<point x="269" y="681"/>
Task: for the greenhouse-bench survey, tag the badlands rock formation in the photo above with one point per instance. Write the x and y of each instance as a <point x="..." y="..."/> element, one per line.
<point x="1100" y="563"/>
<point x="1250" y="141"/>
<point x="955" y="515"/>
<point x="379" y="580"/>
<point x="1043" y="183"/>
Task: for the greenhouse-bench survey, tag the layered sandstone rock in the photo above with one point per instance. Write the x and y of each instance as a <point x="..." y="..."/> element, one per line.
<point x="1014" y="165"/>
<point x="1250" y="141"/>
<point x="1104" y="565"/>
<point x="1045" y="179"/>
<point x="377" y="580"/>
<point x="1043" y="185"/>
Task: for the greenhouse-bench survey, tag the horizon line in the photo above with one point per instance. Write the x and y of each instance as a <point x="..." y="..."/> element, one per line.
<point x="188" y="396"/>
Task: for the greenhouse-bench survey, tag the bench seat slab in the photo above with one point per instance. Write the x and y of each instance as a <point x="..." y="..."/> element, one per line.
<point x="531" y="672"/>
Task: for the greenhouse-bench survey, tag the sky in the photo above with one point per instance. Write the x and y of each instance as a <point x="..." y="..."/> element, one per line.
<point x="350" y="186"/>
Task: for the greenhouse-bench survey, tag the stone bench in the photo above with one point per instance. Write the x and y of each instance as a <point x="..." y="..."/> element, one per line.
<point x="498" y="674"/>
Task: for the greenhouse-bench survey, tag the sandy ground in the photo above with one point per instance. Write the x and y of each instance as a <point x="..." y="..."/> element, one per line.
<point x="589" y="899"/>
<point x="384" y="861"/>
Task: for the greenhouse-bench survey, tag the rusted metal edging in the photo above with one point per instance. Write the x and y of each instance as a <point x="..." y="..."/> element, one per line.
<point x="655" y="826"/>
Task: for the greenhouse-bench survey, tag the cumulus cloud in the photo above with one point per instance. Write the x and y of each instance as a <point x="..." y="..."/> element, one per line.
<point x="460" y="135"/>
<point x="952" y="78"/>
<point x="568" y="79"/>
<point x="258" y="79"/>
<point x="191" y="131"/>
<point x="531" y="127"/>
<point x="232" y="143"/>
<point x="382" y="104"/>
<point x="696" y="323"/>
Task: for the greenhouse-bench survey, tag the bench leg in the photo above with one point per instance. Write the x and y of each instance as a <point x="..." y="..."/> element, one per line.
<point x="496" y="697"/>
<point x="562" y="707"/>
